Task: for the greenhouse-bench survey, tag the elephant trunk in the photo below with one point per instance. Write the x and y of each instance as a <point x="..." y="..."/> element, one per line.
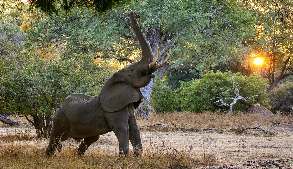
<point x="147" y="55"/>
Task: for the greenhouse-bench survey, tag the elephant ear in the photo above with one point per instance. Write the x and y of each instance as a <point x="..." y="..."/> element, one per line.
<point x="116" y="96"/>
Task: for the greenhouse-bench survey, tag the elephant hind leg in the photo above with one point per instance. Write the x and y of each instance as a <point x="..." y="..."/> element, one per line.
<point x="62" y="138"/>
<point x="58" y="134"/>
<point x="53" y="144"/>
<point x="86" y="143"/>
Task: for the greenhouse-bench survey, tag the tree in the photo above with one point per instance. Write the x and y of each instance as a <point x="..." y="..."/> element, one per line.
<point x="208" y="36"/>
<point x="274" y="29"/>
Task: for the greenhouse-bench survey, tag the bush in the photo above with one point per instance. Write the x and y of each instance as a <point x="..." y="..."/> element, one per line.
<point x="164" y="99"/>
<point x="282" y="98"/>
<point x="204" y="94"/>
<point x="39" y="86"/>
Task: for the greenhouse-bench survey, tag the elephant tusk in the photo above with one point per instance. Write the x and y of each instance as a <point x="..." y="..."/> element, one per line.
<point x="163" y="63"/>
<point x="153" y="64"/>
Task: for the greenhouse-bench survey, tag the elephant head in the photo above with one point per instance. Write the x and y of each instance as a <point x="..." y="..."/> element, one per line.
<point x="123" y="87"/>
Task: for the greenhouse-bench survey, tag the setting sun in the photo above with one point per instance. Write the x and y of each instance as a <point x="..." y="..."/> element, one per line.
<point x="258" y="61"/>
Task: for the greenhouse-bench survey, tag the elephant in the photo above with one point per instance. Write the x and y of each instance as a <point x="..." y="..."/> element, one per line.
<point x="85" y="117"/>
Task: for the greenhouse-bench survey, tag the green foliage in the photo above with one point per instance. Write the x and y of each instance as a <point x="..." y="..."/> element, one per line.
<point x="11" y="40"/>
<point x="282" y="98"/>
<point x="164" y="99"/>
<point x="203" y="94"/>
<point x="208" y="34"/>
<point x="182" y="72"/>
<point x="41" y="85"/>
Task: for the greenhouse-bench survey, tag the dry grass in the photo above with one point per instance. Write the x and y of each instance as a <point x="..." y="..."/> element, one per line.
<point x="16" y="137"/>
<point x="14" y="156"/>
<point x="187" y="121"/>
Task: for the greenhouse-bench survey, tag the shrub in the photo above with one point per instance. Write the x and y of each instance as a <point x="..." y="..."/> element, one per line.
<point x="164" y="99"/>
<point x="38" y="87"/>
<point x="282" y="98"/>
<point x="204" y="94"/>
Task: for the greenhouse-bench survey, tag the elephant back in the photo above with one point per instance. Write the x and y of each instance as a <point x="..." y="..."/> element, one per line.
<point x="77" y="98"/>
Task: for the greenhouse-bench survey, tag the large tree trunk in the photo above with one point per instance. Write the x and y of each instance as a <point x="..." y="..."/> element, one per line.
<point x="152" y="46"/>
<point x="159" y="47"/>
<point x="284" y="73"/>
<point x="145" y="108"/>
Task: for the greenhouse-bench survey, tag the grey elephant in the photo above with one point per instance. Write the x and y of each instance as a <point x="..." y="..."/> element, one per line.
<point x="88" y="117"/>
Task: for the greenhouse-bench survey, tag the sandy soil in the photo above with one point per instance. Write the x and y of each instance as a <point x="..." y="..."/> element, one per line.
<point x="226" y="147"/>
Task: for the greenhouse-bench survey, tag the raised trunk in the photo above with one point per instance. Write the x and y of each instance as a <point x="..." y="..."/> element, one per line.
<point x="146" y="52"/>
<point x="145" y="108"/>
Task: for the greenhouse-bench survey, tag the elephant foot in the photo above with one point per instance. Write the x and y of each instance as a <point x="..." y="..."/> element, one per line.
<point x="81" y="150"/>
<point x="137" y="153"/>
<point x="123" y="153"/>
<point x="49" y="152"/>
<point x="59" y="147"/>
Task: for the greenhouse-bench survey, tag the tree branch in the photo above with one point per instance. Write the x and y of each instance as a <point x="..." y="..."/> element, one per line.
<point x="282" y="75"/>
<point x="29" y="120"/>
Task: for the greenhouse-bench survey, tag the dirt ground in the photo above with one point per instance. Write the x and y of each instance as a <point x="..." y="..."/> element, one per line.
<point x="255" y="147"/>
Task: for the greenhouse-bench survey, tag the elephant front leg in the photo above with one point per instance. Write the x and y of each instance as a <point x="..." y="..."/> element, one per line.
<point x="122" y="136"/>
<point x="118" y="122"/>
<point x="134" y="135"/>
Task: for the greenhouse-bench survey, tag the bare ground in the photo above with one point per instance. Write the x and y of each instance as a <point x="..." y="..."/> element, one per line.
<point x="261" y="146"/>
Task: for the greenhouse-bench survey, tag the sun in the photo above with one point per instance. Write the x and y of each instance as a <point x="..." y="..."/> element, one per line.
<point x="258" y="61"/>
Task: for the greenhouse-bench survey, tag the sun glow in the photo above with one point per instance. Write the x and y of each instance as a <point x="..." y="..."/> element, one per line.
<point x="258" y="61"/>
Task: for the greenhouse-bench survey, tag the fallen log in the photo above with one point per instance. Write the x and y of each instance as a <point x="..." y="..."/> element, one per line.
<point x="4" y="119"/>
